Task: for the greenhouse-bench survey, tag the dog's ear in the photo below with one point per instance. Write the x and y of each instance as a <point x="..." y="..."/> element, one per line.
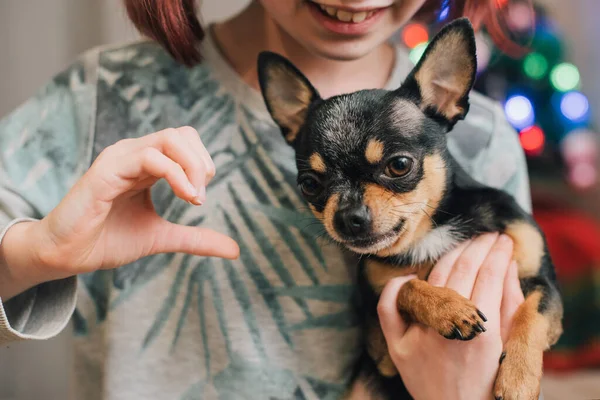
<point x="287" y="93"/>
<point x="442" y="79"/>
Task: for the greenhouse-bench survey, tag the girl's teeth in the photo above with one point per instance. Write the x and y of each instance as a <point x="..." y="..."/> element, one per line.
<point x="359" y="17"/>
<point x="346" y="16"/>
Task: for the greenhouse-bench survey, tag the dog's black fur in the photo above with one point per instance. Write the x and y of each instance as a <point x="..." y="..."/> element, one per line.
<point x="375" y="169"/>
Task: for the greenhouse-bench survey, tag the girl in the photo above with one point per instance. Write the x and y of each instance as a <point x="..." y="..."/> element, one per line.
<point x="150" y="177"/>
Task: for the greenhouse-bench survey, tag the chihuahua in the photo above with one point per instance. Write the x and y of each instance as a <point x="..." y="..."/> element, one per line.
<point x="375" y="169"/>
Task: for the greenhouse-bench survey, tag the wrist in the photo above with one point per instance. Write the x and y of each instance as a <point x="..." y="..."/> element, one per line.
<point x="21" y="268"/>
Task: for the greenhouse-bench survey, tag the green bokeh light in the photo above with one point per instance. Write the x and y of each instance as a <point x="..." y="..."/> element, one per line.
<point x="535" y="66"/>
<point x="565" y="77"/>
<point x="416" y="53"/>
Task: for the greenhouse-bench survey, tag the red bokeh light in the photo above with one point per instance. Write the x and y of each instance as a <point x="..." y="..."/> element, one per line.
<point x="415" y="34"/>
<point x="532" y="140"/>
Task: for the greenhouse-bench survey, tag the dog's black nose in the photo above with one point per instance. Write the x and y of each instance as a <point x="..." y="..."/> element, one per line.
<point x="353" y="222"/>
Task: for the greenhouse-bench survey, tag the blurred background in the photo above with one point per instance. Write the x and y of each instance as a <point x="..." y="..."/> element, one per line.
<point x="551" y="96"/>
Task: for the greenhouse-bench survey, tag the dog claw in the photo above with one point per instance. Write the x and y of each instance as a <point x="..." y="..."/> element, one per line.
<point x="502" y="357"/>
<point x="481" y="327"/>
<point x="499" y="398"/>
<point x="482" y="316"/>
<point x="458" y="333"/>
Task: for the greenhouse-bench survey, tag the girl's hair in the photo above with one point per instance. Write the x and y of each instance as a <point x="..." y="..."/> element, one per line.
<point x="174" y="24"/>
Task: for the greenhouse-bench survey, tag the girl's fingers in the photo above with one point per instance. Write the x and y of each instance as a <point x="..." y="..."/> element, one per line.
<point x="152" y="162"/>
<point x="174" y="238"/>
<point x="441" y="271"/>
<point x="392" y="324"/>
<point x="176" y="145"/>
<point x="193" y="138"/>
<point x="124" y="165"/>
<point x="465" y="269"/>
<point x="512" y="298"/>
<point x="488" y="288"/>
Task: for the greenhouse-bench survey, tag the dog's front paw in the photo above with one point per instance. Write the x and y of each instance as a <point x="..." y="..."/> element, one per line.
<point x="520" y="375"/>
<point x="458" y="318"/>
<point x="443" y="309"/>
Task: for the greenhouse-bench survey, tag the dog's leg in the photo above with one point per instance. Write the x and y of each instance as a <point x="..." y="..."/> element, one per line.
<point x="443" y="309"/>
<point x="536" y="326"/>
<point x="378" y="350"/>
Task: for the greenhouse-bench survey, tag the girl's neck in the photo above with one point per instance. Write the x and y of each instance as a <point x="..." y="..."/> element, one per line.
<point x="241" y="38"/>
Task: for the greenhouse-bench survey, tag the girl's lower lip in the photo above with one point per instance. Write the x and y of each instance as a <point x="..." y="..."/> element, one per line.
<point x="344" y="28"/>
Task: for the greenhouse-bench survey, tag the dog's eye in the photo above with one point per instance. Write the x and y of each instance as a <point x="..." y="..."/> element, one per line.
<point x="310" y="186"/>
<point x="398" y="167"/>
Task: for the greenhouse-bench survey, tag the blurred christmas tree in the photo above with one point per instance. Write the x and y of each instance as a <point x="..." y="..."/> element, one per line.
<point x="541" y="91"/>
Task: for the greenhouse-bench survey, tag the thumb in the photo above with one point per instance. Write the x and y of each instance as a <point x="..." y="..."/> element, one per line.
<point x="174" y="238"/>
<point x="392" y="324"/>
<point x="512" y="298"/>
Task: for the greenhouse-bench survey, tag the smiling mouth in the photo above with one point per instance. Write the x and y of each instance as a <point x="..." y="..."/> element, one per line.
<point x="346" y="15"/>
<point x="375" y="243"/>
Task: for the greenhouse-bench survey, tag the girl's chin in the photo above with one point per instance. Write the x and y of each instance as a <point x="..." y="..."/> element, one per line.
<point x="343" y="51"/>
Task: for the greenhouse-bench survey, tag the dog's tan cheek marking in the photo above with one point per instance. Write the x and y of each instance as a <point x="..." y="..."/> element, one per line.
<point x="317" y="164"/>
<point x="424" y="200"/>
<point x="443" y="82"/>
<point x="318" y="214"/>
<point x="289" y="100"/>
<point x="528" y="248"/>
<point x="374" y="151"/>
<point x="329" y="211"/>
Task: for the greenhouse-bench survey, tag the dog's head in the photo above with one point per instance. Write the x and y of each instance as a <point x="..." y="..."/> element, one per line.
<point x="372" y="164"/>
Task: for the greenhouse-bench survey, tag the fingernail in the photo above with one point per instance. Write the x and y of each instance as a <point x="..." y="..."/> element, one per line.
<point x="196" y="201"/>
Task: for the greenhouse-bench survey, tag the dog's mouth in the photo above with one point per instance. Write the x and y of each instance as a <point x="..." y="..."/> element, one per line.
<point x="375" y="243"/>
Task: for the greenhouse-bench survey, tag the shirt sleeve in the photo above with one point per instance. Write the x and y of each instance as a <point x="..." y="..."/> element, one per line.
<point x="44" y="148"/>
<point x="488" y="147"/>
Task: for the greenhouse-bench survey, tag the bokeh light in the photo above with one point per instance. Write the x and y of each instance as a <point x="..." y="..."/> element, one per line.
<point x="414" y="34"/>
<point x="575" y="106"/>
<point x="519" y="111"/>
<point x="535" y="66"/>
<point x="444" y="10"/>
<point x="532" y="140"/>
<point x="565" y="77"/>
<point x="416" y="53"/>
<point x="583" y="175"/>
<point x="444" y="13"/>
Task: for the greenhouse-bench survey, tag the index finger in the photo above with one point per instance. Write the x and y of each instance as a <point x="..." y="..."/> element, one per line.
<point x="489" y="285"/>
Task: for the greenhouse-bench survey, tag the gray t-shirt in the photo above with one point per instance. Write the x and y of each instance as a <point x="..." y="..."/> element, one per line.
<point x="275" y="324"/>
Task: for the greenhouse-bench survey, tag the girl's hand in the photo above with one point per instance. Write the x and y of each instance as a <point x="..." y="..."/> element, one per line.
<point x="108" y="219"/>
<point x="433" y="367"/>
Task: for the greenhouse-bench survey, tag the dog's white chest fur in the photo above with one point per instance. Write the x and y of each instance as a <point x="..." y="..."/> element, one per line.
<point x="436" y="243"/>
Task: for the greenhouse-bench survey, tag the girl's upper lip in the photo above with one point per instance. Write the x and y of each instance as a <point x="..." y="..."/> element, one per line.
<point x="352" y="9"/>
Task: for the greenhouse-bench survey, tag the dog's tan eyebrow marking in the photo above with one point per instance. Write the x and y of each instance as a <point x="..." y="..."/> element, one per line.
<point x="316" y="163"/>
<point x="374" y="151"/>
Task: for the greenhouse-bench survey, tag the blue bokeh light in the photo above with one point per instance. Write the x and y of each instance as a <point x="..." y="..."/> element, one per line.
<point x="575" y="107"/>
<point x="519" y="111"/>
<point x="444" y="11"/>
